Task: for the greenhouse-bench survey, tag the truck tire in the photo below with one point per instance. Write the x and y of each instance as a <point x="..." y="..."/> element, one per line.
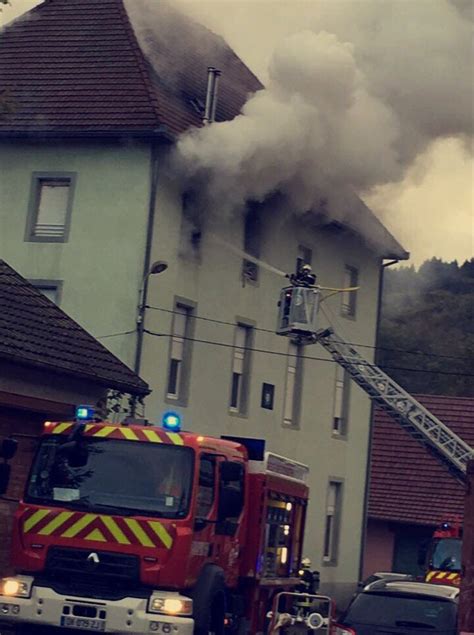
<point x="209" y="602"/>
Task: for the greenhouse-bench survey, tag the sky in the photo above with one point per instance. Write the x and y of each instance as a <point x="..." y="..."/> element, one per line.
<point x="431" y="210"/>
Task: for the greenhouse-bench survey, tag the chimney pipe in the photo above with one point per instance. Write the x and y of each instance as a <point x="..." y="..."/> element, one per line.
<point x="213" y="75"/>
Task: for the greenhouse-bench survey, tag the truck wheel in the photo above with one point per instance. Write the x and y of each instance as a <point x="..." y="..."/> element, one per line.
<point x="209" y="606"/>
<point x="211" y="621"/>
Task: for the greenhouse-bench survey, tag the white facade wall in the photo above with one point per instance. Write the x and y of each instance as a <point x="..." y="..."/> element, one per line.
<point x="101" y="269"/>
<point x="101" y="265"/>
<point x="214" y="287"/>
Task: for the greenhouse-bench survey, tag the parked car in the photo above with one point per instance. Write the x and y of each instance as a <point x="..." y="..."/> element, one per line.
<point x="403" y="608"/>
<point x="383" y="575"/>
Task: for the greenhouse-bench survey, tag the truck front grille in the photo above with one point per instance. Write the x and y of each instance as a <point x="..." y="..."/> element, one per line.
<point x="99" y="574"/>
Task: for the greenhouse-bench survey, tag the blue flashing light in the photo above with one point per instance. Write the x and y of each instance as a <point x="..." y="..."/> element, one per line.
<point x="171" y="421"/>
<point x="84" y="413"/>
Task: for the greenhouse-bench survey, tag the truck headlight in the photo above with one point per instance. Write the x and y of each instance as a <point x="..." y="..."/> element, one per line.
<point x="170" y="605"/>
<point x="15" y="587"/>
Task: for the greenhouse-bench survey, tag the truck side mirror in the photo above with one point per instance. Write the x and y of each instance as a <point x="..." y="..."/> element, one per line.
<point x="8" y="449"/>
<point x="231" y="503"/>
<point x="4" y="477"/>
<point x="231" y="471"/>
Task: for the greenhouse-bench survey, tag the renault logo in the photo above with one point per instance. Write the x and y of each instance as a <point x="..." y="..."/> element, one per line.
<point x="93" y="561"/>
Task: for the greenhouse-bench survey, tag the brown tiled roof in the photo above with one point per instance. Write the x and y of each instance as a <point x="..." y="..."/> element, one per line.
<point x="408" y="484"/>
<point x="75" y="67"/>
<point x="35" y="332"/>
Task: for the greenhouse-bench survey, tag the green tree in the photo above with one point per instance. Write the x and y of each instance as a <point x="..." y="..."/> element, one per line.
<point x="427" y="327"/>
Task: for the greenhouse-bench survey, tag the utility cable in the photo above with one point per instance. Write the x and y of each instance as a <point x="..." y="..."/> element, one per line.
<point x="264" y="330"/>
<point x="318" y="359"/>
<point x="103" y="337"/>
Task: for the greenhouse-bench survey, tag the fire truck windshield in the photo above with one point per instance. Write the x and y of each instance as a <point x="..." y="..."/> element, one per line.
<point x="113" y="476"/>
<point x="446" y="554"/>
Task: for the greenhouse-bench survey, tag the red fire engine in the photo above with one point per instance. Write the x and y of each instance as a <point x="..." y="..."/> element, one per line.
<point x="443" y="559"/>
<point x="137" y="529"/>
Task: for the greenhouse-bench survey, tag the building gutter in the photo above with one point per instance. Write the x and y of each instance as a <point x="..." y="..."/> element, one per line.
<point x="140" y="389"/>
<point x="158" y="134"/>
<point x="365" y="513"/>
<point x="147" y="259"/>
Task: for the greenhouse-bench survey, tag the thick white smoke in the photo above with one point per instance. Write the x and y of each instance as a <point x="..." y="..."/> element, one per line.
<point x="350" y="103"/>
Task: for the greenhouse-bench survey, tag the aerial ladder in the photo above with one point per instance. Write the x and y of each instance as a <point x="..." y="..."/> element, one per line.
<point x="298" y="319"/>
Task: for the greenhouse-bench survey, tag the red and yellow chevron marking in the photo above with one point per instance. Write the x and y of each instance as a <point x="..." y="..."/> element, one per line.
<point x="151" y="435"/>
<point x="443" y="577"/>
<point x="96" y="528"/>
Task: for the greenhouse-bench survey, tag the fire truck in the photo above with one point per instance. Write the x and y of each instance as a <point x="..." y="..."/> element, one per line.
<point x="139" y="529"/>
<point x="298" y="319"/>
<point x="442" y="558"/>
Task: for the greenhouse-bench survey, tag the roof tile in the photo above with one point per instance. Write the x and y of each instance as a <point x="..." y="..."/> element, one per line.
<point x="407" y="483"/>
<point x="65" y="57"/>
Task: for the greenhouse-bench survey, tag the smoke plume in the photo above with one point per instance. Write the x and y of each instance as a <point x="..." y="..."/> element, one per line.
<point x="351" y="101"/>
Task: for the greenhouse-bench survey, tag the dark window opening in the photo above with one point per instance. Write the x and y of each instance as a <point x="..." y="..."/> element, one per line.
<point x="234" y="397"/>
<point x="173" y="377"/>
<point x="268" y="396"/>
<point x="304" y="257"/>
<point x="252" y="241"/>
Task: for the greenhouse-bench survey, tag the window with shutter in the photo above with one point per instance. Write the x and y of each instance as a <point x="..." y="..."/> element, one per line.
<point x="240" y="369"/>
<point x="349" y="298"/>
<point x="341" y="402"/>
<point x="293" y="386"/>
<point x="178" y="368"/>
<point x="50" y="207"/>
<point x="333" y="513"/>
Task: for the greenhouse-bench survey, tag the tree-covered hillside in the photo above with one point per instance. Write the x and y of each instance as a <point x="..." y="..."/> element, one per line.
<point x="429" y="311"/>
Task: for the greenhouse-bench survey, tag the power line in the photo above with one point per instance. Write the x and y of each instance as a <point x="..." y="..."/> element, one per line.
<point x="318" y="359"/>
<point x="103" y="337"/>
<point x="272" y="331"/>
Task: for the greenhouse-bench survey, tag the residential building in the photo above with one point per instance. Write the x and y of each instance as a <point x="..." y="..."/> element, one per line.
<point x="411" y="491"/>
<point x="48" y="365"/>
<point x="88" y="203"/>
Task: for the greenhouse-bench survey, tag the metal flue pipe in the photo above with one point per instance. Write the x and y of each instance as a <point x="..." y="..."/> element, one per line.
<point x="213" y="75"/>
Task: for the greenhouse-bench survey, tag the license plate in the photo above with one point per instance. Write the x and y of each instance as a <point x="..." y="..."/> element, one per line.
<point x="83" y="622"/>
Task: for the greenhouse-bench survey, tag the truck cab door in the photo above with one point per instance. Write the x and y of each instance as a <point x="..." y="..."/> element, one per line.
<point x="203" y="548"/>
<point x="229" y="526"/>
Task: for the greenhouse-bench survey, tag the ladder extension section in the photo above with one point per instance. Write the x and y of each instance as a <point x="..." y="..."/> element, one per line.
<point x="417" y="420"/>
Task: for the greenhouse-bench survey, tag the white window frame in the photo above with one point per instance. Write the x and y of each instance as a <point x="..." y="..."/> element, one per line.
<point x="180" y="354"/>
<point x="51" y="289"/>
<point x="349" y="298"/>
<point x="240" y="372"/>
<point x="332" y="522"/>
<point x="53" y="232"/>
<point x="340" y="417"/>
<point x="292" y="395"/>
